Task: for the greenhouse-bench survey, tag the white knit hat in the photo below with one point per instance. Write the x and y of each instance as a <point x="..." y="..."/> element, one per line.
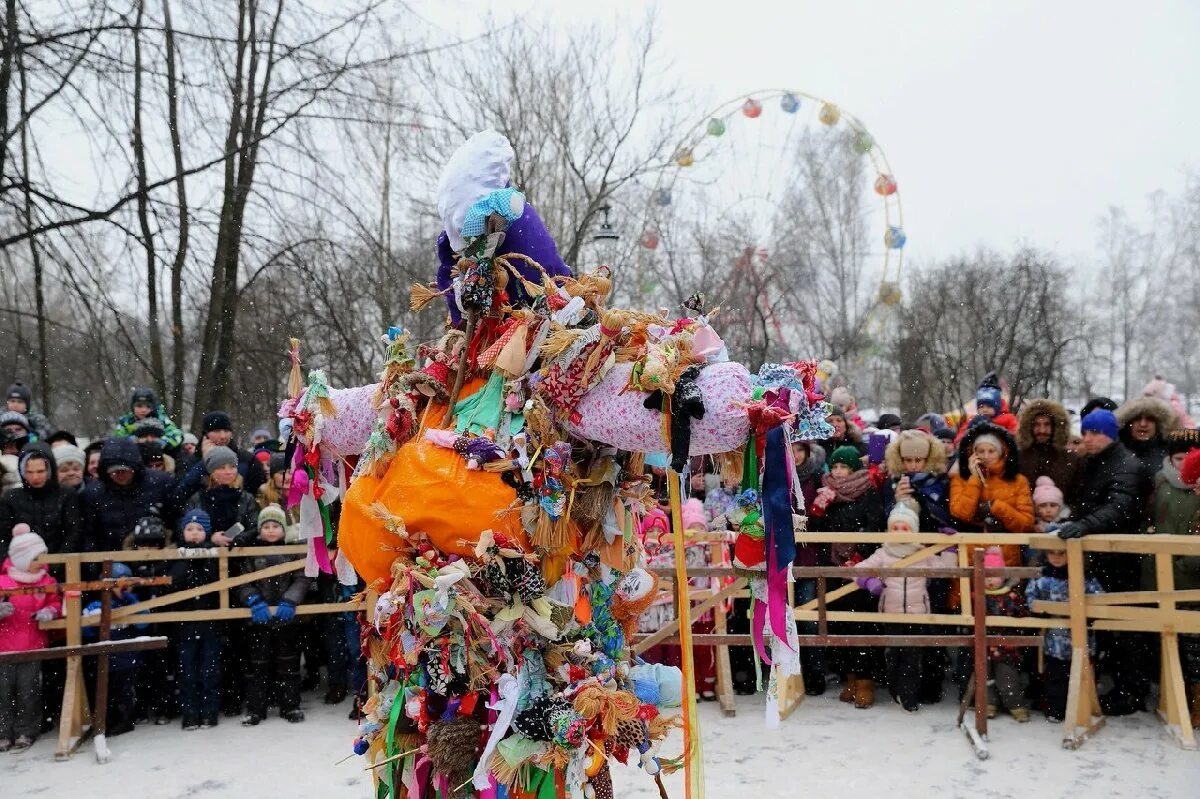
<point x="903" y="513"/>
<point x="69" y="453"/>
<point x="25" y="546"/>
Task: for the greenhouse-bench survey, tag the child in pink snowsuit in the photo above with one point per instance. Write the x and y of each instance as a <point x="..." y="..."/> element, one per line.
<point x="21" y="683"/>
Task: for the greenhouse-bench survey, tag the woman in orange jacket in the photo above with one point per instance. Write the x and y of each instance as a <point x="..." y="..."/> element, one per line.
<point x="988" y="493"/>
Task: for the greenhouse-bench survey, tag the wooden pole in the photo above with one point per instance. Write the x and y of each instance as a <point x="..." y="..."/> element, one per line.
<point x="693" y="750"/>
<point x="101" y="720"/>
<point x="979" y="601"/>
<point x="1173" y="706"/>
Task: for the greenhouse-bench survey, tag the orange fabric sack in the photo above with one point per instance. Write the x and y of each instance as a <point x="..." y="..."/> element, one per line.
<point x="432" y="490"/>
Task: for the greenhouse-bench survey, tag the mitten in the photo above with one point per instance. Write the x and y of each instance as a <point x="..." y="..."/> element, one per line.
<point x="259" y="612"/>
<point x="286" y="611"/>
<point x="874" y="585"/>
<point x="45" y="614"/>
<point x="6" y="609"/>
<point x="1070" y="530"/>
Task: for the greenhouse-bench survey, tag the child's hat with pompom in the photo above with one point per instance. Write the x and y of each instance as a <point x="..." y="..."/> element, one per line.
<point x="693" y="515"/>
<point x="903" y="513"/>
<point x="1190" y="471"/>
<point x="272" y="513"/>
<point x="1044" y="490"/>
<point x="25" y="546"/>
<point x="993" y="558"/>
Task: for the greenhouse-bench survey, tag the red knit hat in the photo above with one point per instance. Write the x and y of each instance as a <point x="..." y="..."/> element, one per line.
<point x="1190" y="471"/>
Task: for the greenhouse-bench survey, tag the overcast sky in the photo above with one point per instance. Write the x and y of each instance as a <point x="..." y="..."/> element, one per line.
<point x="1005" y="121"/>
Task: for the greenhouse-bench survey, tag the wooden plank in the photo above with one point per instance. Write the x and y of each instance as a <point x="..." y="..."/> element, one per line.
<point x="930" y="618"/>
<point x="956" y="539"/>
<point x="725" y="695"/>
<point x="100" y="717"/>
<point x="744" y="639"/>
<point x="979" y="605"/>
<point x="161" y="617"/>
<point x="140" y="609"/>
<point x="174" y="553"/>
<point x="100" y="647"/>
<point x="1143" y="597"/>
<point x="851" y="587"/>
<point x="672" y="626"/>
<point x="89" y="585"/>
<point x="68" y="716"/>
<point x="848" y="573"/>
<point x="1177" y="711"/>
<point x="1159" y="616"/>
<point x="223" y="574"/>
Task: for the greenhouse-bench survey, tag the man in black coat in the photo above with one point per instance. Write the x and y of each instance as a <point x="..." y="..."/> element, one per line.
<point x="51" y="510"/>
<point x="125" y="492"/>
<point x="1112" y="492"/>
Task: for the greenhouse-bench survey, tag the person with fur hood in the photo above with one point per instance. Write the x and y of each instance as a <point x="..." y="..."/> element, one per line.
<point x="916" y="465"/>
<point x="988" y="493"/>
<point x="1145" y="424"/>
<point x="1042" y="435"/>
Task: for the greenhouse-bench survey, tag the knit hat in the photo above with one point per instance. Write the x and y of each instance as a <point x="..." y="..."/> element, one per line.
<point x="199" y="516"/>
<point x="216" y="457"/>
<point x="842" y="397"/>
<point x="903" y="513"/>
<point x="1189" y="473"/>
<point x="944" y="434"/>
<point x="69" y="453"/>
<point x="847" y="456"/>
<point x="988" y="438"/>
<point x="190" y="438"/>
<point x="120" y="571"/>
<point x="25" y="546"/>
<point x="1100" y="421"/>
<point x="915" y="444"/>
<point x="278" y="464"/>
<point x="693" y="515"/>
<point x="1097" y="402"/>
<point x="933" y="421"/>
<point x="143" y="395"/>
<point x="12" y="417"/>
<point x="60" y="436"/>
<point x="215" y="420"/>
<point x="1182" y="441"/>
<point x="888" y="421"/>
<point x="988" y="392"/>
<point x="1045" y="490"/>
<point x="150" y="426"/>
<point x="20" y="391"/>
<point x="260" y="432"/>
<point x="993" y="558"/>
<point x="272" y="513"/>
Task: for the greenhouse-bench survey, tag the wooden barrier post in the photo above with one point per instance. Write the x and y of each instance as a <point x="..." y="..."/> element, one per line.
<point x="74" y="713"/>
<point x="720" y="627"/>
<point x="1083" y="717"/>
<point x="1172" y="698"/>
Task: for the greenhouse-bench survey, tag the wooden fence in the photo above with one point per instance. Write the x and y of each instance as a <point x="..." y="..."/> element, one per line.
<point x="75" y="721"/>
<point x="1154" y="612"/>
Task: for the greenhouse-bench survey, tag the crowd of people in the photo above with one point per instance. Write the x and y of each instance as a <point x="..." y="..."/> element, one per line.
<point x="149" y="484"/>
<point x="1126" y="468"/>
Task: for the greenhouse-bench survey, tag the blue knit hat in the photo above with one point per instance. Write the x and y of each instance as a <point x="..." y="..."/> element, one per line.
<point x="199" y="517"/>
<point x="988" y="392"/>
<point x="1100" y="421"/>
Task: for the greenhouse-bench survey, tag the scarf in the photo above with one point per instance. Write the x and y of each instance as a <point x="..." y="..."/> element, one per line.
<point x="1172" y="476"/>
<point x="849" y="488"/>
<point x="22" y="576"/>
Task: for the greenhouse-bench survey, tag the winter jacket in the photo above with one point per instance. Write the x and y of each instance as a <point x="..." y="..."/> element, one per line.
<point x="172" y="436"/>
<point x="109" y="510"/>
<point x="118" y="661"/>
<point x="52" y="511"/>
<point x="864" y="514"/>
<point x="906" y="594"/>
<point x="1008" y="497"/>
<point x="19" y="632"/>
<point x="1112" y="488"/>
<point x="1051" y="458"/>
<point x="292" y="586"/>
<point x="226" y="505"/>
<point x="1176" y="510"/>
<point x="193" y="573"/>
<point x="1052" y="587"/>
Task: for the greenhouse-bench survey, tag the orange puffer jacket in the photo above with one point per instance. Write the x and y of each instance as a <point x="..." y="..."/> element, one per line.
<point x="1011" y="504"/>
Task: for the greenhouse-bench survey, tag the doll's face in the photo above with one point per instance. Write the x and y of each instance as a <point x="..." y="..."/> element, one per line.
<point x="635" y="584"/>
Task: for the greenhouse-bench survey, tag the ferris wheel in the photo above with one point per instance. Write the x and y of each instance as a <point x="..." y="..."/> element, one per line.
<point x="737" y="166"/>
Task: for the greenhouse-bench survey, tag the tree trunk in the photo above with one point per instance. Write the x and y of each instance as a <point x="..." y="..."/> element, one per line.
<point x="158" y="372"/>
<point x="35" y="257"/>
<point x="6" y="59"/>
<point x="177" y="340"/>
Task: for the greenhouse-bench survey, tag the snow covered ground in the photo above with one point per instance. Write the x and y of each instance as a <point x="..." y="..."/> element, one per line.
<point x="825" y="749"/>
